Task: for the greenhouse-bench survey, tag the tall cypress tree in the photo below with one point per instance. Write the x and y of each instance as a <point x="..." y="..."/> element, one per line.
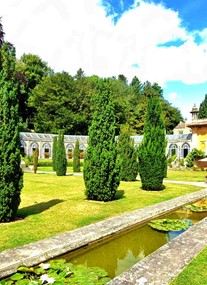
<point x="101" y="171"/>
<point x="128" y="157"/>
<point x="35" y="159"/>
<point x="61" y="161"/>
<point x="54" y="153"/>
<point x="11" y="176"/>
<point x="151" y="153"/>
<point x="76" y="157"/>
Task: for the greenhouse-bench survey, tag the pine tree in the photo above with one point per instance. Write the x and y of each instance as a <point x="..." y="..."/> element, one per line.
<point x="101" y="171"/>
<point x="128" y="157"/>
<point x="54" y="153"/>
<point x="151" y="153"/>
<point x="35" y="159"/>
<point x="61" y="161"/>
<point x="203" y="109"/>
<point x="11" y="176"/>
<point x="76" y="157"/>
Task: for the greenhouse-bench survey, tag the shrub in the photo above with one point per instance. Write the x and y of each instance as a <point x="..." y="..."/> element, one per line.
<point x="76" y="157"/>
<point x="127" y="157"/>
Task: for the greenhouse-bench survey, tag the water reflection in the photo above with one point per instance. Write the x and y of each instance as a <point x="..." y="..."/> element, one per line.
<point x="120" y="253"/>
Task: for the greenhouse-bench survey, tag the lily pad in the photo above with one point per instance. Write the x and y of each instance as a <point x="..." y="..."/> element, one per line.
<point x="166" y="225"/>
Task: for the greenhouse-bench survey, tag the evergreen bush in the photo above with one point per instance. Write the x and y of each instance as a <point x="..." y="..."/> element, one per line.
<point x="101" y="169"/>
<point x="54" y="153"/>
<point x="60" y="161"/>
<point x="151" y="153"/>
<point x="11" y="176"/>
<point x="128" y="157"/>
<point x="35" y="159"/>
<point x="76" y="157"/>
<point x="193" y="156"/>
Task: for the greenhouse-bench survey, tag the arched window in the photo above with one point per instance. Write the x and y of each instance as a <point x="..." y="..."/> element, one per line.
<point x="185" y="150"/>
<point x="82" y="151"/>
<point x="46" y="150"/>
<point x="33" y="146"/>
<point x="173" y="150"/>
<point x="69" y="151"/>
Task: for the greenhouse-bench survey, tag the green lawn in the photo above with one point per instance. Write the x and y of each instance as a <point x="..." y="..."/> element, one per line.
<point x="52" y="204"/>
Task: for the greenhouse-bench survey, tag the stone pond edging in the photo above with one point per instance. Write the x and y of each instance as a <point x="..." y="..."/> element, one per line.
<point x="43" y="250"/>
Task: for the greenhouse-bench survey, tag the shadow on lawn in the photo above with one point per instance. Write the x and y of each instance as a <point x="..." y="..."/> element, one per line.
<point x="38" y="208"/>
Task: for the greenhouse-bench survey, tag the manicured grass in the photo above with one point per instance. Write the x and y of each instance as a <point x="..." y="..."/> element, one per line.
<point x="195" y="273"/>
<point x="52" y="204"/>
<point x="186" y="175"/>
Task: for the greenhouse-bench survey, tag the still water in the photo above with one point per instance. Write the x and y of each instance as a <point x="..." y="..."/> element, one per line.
<point x="123" y="250"/>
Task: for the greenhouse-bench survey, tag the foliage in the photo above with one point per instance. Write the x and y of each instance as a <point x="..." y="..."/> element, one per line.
<point x="166" y="225"/>
<point x="193" y="155"/>
<point x="151" y="152"/>
<point x="200" y="206"/>
<point x="57" y="272"/>
<point x="60" y="101"/>
<point x="203" y="109"/>
<point x="30" y="71"/>
<point x="128" y="157"/>
<point x="54" y="153"/>
<point x="59" y="105"/>
<point x="76" y="157"/>
<point x="11" y="177"/>
<point x="171" y="159"/>
<point x="101" y="171"/>
<point x="60" y="161"/>
<point x="35" y="159"/>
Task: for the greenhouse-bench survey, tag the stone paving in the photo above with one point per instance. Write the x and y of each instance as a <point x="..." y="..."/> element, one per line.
<point x="43" y="250"/>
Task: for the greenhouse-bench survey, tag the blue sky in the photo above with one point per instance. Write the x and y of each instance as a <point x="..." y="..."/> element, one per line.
<point x="159" y="41"/>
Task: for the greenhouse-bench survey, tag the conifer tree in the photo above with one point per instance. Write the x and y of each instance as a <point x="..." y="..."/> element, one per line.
<point x="54" y="153"/>
<point x="203" y="109"/>
<point x="128" y="157"/>
<point x="11" y="176"/>
<point x="35" y="159"/>
<point x="101" y="170"/>
<point x="76" y="157"/>
<point x="61" y="161"/>
<point x="151" y="153"/>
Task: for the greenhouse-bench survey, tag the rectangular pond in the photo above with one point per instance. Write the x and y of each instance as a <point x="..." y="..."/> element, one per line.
<point x="122" y="250"/>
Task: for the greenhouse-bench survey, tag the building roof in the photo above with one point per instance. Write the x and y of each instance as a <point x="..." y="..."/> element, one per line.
<point x="197" y="123"/>
<point x="181" y="125"/>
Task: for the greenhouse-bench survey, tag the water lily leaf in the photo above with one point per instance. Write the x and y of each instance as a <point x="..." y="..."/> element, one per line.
<point x="166" y="225"/>
<point x="17" y="276"/>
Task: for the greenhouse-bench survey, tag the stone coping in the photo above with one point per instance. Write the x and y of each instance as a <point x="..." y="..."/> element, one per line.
<point x="43" y="250"/>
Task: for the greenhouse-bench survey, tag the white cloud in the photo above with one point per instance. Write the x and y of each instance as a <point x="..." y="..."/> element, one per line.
<point x="73" y="34"/>
<point x="172" y="96"/>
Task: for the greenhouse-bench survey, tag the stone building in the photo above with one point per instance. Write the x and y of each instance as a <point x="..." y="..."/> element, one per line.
<point x="185" y="137"/>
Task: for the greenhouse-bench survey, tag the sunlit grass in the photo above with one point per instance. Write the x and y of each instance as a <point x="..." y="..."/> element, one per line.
<point x="186" y="175"/>
<point x="53" y="204"/>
